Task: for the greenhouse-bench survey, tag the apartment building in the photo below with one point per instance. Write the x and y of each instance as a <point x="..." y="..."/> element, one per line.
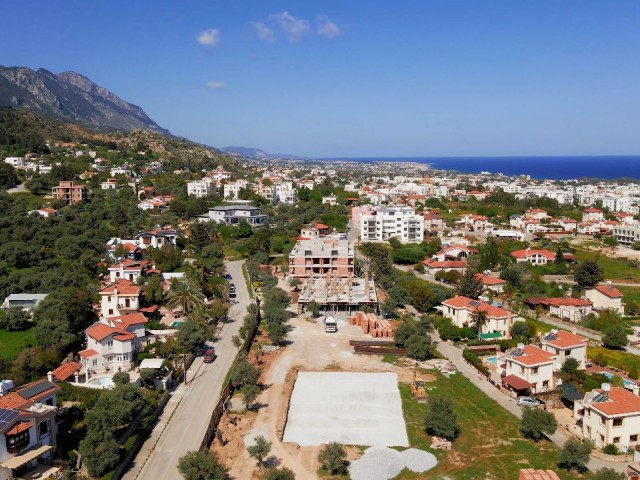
<point x="397" y="222"/>
<point x="627" y="234"/>
<point x="201" y="188"/>
<point x="321" y="256"/>
<point x="70" y="192"/>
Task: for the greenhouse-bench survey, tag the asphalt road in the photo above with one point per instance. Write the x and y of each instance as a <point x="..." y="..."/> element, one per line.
<point x="186" y="427"/>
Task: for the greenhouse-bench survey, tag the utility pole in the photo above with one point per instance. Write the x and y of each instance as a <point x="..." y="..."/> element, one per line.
<point x="184" y="362"/>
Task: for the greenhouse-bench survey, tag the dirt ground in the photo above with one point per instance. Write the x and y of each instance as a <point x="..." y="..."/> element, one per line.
<point x="311" y="349"/>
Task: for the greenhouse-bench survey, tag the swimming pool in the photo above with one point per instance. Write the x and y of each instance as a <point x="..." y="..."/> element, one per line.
<point x="492" y="360"/>
<point x="627" y="383"/>
<point x="104" y="382"/>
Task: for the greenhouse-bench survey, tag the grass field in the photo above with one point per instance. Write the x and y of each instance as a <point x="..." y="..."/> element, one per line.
<point x="490" y="444"/>
<point x="12" y="343"/>
<point x="630" y="294"/>
<point x="614" y="268"/>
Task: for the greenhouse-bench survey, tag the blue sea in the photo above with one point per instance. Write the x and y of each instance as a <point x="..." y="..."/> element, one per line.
<point x="553" y="168"/>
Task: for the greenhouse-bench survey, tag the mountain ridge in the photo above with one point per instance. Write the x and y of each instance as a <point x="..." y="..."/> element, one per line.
<point x="252" y="152"/>
<point x="72" y="97"/>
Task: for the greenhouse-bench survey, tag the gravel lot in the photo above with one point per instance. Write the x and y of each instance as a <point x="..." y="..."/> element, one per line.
<point x="382" y="463"/>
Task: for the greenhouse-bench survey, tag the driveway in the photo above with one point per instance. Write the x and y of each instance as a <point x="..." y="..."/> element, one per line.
<point x="188" y="417"/>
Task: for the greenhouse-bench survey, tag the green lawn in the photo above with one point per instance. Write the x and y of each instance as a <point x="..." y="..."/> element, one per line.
<point x="630" y="294"/>
<point x="614" y="268"/>
<point x="12" y="343"/>
<point x="490" y="444"/>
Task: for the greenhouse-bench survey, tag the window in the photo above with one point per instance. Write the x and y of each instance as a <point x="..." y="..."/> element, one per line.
<point x="110" y="344"/>
<point x="633" y="438"/>
<point x="568" y="352"/>
<point x="588" y="430"/>
<point x="127" y="303"/>
<point x="17" y="442"/>
<point x="95" y="362"/>
<point x="617" y="422"/>
<point x="616" y="439"/>
<point x="602" y="420"/>
<point x="111" y="311"/>
<point x="44" y="427"/>
<point x="535" y="370"/>
<point x="125" y="357"/>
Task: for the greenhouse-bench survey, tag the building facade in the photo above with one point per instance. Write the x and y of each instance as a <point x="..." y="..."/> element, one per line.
<point x="397" y="222"/>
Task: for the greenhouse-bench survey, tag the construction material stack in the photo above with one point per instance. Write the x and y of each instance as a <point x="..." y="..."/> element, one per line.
<point x="372" y="324"/>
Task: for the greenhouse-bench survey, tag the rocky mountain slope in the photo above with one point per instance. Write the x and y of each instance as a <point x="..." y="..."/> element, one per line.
<point x="71" y="97"/>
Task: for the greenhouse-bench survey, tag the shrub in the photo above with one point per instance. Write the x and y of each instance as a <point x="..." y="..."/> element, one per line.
<point x="333" y="459"/>
<point x="633" y="373"/>
<point x="610" y="449"/>
<point x="441" y="419"/>
<point x="476" y="361"/>
<point x="575" y="455"/>
<point x="535" y="424"/>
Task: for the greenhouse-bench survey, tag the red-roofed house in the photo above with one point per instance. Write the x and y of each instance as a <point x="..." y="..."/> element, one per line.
<point x="432" y="266"/>
<point x="128" y="269"/>
<point x="456" y="251"/>
<point x="572" y="309"/>
<point x="610" y="415"/>
<point x="533" y="256"/>
<point x="28" y="431"/>
<point x="108" y="349"/>
<point x="462" y="312"/>
<point x="493" y="284"/>
<point x="605" y="297"/>
<point x="533" y="365"/>
<point x="592" y="215"/>
<point x="119" y="298"/>
<point x="564" y="345"/>
<point x="536" y="213"/>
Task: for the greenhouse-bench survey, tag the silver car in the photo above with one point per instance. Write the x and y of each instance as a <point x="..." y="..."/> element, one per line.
<point x="529" y="402"/>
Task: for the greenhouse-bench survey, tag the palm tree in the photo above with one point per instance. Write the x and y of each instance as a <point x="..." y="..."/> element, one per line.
<point x="480" y="320"/>
<point x="186" y="294"/>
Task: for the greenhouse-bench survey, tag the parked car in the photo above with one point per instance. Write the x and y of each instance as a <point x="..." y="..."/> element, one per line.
<point x="529" y="402"/>
<point x="228" y="276"/>
<point x="210" y="355"/>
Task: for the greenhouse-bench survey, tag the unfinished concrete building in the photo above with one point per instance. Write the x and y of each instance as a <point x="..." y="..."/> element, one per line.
<point x="335" y="294"/>
<point x="315" y="255"/>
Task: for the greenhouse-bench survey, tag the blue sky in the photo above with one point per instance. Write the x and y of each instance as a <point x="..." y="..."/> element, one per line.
<point x="354" y="78"/>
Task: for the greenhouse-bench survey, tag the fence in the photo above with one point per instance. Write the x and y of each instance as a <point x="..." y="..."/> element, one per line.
<point x="214" y="421"/>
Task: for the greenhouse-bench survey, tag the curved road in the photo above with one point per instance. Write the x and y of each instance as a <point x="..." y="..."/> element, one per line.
<point x="187" y="422"/>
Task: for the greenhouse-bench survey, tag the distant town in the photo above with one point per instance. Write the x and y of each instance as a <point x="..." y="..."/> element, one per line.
<point x="167" y="305"/>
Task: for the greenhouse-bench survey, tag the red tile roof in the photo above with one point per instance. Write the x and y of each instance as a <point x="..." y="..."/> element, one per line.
<point x="65" y="370"/>
<point x="125" y="287"/>
<point x="100" y="331"/>
<point x="568" y="302"/>
<point x="516" y="382"/>
<point x="88" y="353"/>
<point x="124" y="321"/>
<point x="610" y="292"/>
<point x="18" y="428"/>
<point x="566" y="339"/>
<point x="15" y="401"/>
<point x="445" y="263"/>
<point x="531" y="252"/>
<point x="124" y="337"/>
<point x="489" y="280"/>
<point x="621" y="402"/>
<point x="533" y="356"/>
<point x="463" y="302"/>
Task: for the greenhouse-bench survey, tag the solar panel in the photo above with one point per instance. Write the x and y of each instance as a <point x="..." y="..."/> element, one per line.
<point x="7" y="417"/>
<point x="36" y="389"/>
<point x="601" y="397"/>
<point x="474" y="303"/>
<point x="516" y="353"/>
